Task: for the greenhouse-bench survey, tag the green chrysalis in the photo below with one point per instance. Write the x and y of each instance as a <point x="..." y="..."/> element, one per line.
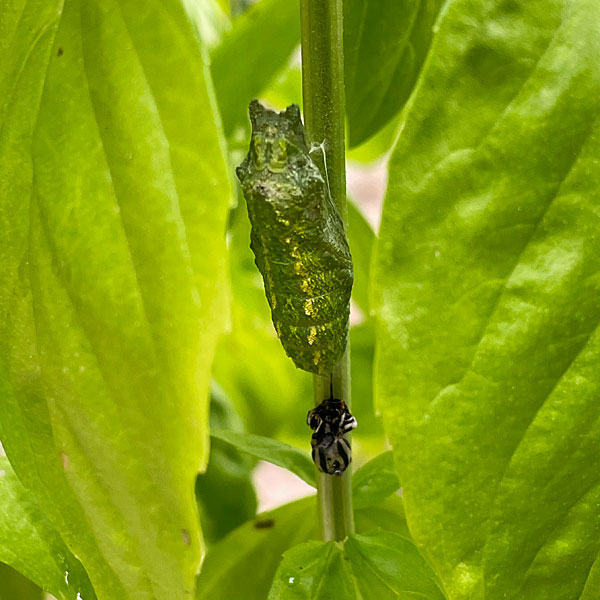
<point x="298" y="240"/>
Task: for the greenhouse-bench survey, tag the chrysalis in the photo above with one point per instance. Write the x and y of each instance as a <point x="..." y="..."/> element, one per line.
<point x="298" y="240"/>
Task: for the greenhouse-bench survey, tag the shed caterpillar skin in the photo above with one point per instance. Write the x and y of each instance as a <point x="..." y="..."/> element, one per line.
<point x="298" y="240"/>
<point x="331" y="421"/>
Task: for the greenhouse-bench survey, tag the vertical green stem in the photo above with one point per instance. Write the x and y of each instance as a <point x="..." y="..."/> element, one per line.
<point x="324" y="112"/>
<point x="323" y="96"/>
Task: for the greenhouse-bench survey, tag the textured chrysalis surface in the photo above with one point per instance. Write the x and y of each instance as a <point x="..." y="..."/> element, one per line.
<point x="298" y="240"/>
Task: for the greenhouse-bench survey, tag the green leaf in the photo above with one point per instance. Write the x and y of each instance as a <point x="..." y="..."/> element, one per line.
<point x="375" y="481"/>
<point x="225" y="494"/>
<point x="273" y="451"/>
<point x="388" y="515"/>
<point x="210" y="18"/>
<point x="313" y="571"/>
<point x="115" y="194"/>
<point x="284" y="89"/>
<point x="385" y="45"/>
<point x="387" y="565"/>
<point x="488" y="300"/>
<point x="380" y="564"/>
<point x="370" y="431"/>
<point x="592" y="585"/>
<point x="243" y="564"/>
<point x="360" y="237"/>
<point x="14" y="585"/>
<point x="30" y="544"/>
<point x="27" y="435"/>
<point x="250" y="55"/>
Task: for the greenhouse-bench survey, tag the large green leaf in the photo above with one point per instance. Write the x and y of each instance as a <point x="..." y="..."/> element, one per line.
<point x="28" y="30"/>
<point x="30" y="544"/>
<point x="385" y="45"/>
<point x="114" y="198"/>
<point x="487" y="294"/>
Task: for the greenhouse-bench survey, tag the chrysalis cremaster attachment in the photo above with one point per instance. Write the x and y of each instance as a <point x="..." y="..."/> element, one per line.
<point x="330" y="421"/>
<point x="298" y="240"/>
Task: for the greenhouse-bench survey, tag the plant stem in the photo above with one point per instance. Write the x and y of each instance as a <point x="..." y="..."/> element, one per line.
<point x="324" y="113"/>
<point x="323" y="88"/>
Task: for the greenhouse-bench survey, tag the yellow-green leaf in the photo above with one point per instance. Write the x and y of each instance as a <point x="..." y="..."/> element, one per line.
<point x="115" y="192"/>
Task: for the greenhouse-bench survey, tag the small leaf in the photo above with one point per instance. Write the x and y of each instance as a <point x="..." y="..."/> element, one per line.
<point x="387" y="566"/>
<point x="375" y="481"/>
<point x="362" y="347"/>
<point x="379" y="565"/>
<point x="313" y="571"/>
<point x="273" y="451"/>
<point x="30" y="544"/>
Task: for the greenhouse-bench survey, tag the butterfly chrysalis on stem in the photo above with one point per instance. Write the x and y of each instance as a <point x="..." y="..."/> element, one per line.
<point x="298" y="240"/>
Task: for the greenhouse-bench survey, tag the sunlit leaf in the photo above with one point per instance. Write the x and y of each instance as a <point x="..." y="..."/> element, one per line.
<point x="114" y="197"/>
<point x="30" y="544"/>
<point x="487" y="294"/>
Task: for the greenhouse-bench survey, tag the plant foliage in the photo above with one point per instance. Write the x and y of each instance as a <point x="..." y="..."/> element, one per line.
<point x="120" y="125"/>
